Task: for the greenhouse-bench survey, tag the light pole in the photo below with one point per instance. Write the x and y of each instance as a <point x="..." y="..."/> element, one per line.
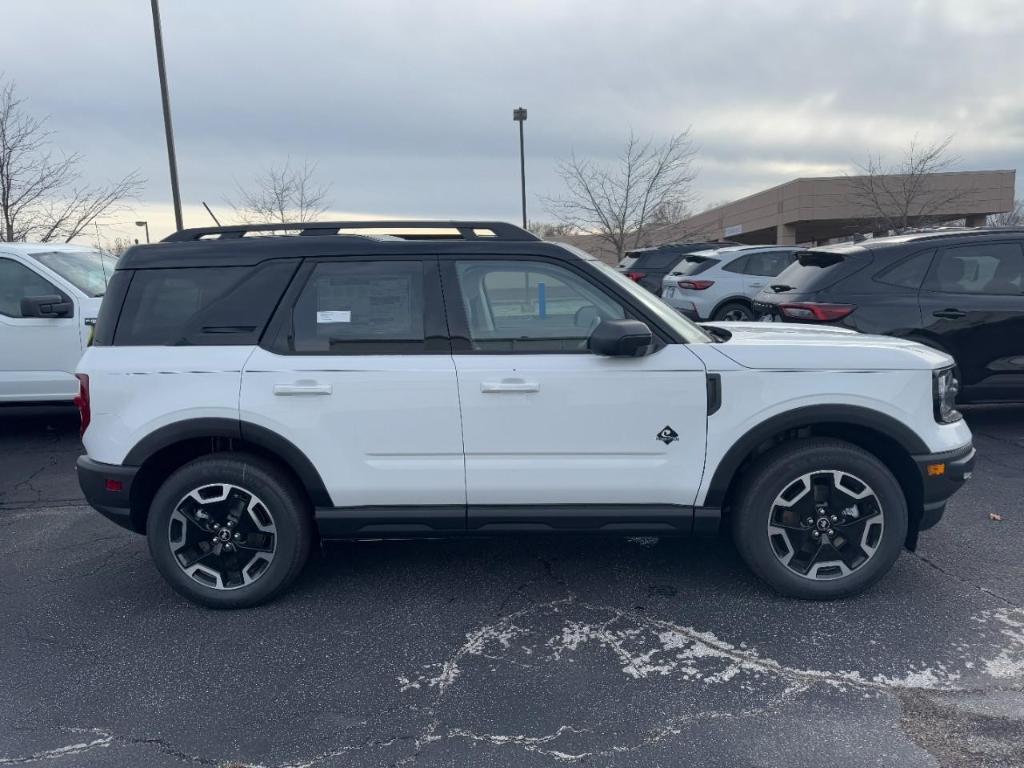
<point x="166" y="100"/>
<point x="146" y="225"/>
<point x="519" y="115"/>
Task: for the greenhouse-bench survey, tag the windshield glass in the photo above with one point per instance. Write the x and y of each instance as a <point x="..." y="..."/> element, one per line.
<point x="694" y="265"/>
<point x="88" y="271"/>
<point x="690" y="332"/>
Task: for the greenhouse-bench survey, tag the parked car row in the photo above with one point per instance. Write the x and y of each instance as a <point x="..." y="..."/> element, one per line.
<point x="960" y="292"/>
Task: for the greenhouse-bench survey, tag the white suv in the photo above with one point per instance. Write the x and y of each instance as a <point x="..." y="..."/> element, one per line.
<point x="720" y="284"/>
<point x="50" y="295"/>
<point x="245" y="395"/>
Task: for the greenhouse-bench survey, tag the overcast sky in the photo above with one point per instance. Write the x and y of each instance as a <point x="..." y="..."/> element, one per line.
<point x="406" y="107"/>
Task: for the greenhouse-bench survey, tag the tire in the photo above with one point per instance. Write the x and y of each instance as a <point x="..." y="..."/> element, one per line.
<point x="740" y="312"/>
<point x="786" y="487"/>
<point x="237" y="522"/>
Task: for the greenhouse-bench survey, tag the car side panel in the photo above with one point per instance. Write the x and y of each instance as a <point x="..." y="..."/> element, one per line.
<point x="135" y="391"/>
<point x="751" y="397"/>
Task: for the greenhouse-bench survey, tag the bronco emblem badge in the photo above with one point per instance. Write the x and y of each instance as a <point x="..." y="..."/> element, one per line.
<point x="668" y="435"/>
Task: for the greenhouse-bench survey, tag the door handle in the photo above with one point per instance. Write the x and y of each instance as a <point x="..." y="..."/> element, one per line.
<point x="949" y="314"/>
<point x="510" y="385"/>
<point x="757" y="285"/>
<point x="303" y="389"/>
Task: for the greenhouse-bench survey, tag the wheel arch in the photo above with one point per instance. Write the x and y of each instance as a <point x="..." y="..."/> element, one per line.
<point x="888" y="439"/>
<point x="174" y="445"/>
<point x="736" y="299"/>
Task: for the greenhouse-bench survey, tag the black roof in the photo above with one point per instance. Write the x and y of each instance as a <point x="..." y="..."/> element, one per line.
<point x="961" y="235"/>
<point x="232" y="245"/>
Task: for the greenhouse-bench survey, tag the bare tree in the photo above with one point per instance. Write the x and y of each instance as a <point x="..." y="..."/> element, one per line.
<point x="40" y="195"/>
<point x="904" y="194"/>
<point x="1012" y="218"/>
<point x="618" y="203"/>
<point x="547" y="230"/>
<point x="281" y="195"/>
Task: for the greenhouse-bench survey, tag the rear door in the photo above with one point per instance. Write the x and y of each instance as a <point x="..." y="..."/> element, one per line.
<point x="37" y="354"/>
<point x="356" y="371"/>
<point x="547" y="425"/>
<point x="972" y="303"/>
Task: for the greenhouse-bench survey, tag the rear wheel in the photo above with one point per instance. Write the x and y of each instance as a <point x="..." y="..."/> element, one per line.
<point x="734" y="311"/>
<point x="819" y="519"/>
<point x="229" y="530"/>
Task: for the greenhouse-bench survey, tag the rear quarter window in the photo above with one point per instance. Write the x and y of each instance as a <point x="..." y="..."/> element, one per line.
<point x="202" y="305"/>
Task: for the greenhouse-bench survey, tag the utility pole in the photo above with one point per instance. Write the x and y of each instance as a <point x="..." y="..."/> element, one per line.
<point x="519" y="115"/>
<point x="168" y="130"/>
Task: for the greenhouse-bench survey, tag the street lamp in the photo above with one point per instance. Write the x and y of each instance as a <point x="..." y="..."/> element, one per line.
<point x="519" y="115"/>
<point x="146" y="225"/>
<point x="166" y="101"/>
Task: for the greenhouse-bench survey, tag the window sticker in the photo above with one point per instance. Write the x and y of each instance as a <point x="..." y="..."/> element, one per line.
<point x="334" y="316"/>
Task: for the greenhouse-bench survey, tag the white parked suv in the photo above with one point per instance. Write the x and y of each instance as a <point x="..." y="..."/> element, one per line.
<point x="245" y="395"/>
<point x="50" y="295"/>
<point x="720" y="284"/>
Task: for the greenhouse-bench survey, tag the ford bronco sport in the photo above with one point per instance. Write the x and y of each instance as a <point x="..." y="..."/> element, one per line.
<point x="247" y="394"/>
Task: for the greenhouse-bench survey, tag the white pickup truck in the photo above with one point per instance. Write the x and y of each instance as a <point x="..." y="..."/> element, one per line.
<point x="50" y="294"/>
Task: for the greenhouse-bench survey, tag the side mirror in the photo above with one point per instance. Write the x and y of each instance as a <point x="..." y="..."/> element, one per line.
<point x="46" y="306"/>
<point x="620" y="338"/>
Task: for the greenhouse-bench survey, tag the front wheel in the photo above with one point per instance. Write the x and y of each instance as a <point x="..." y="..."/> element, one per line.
<point x="229" y="530"/>
<point x="819" y="519"/>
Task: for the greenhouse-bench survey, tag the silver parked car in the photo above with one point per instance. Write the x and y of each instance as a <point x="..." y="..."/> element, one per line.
<point x="719" y="284"/>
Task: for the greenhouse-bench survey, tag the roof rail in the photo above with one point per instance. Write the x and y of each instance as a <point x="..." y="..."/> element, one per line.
<point x="405" y="230"/>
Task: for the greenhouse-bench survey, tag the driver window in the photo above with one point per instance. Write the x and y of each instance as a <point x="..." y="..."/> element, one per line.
<point x="529" y="307"/>
<point x="18" y="282"/>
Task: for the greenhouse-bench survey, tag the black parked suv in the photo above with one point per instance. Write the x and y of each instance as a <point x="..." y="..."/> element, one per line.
<point x="652" y="264"/>
<point x="961" y="292"/>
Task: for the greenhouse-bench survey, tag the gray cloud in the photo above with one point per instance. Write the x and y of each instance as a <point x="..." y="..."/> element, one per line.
<point x="406" y="106"/>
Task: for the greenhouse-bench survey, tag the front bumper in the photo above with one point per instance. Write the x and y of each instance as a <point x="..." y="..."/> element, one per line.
<point x="942" y="475"/>
<point x="107" y="488"/>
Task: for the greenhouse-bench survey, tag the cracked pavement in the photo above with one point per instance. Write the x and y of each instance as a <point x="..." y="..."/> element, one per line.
<point x="506" y="651"/>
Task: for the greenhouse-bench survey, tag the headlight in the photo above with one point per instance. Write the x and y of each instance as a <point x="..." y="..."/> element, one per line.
<point x="944" y="391"/>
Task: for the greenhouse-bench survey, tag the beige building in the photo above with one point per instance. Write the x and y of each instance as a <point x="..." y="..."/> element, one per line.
<point x="816" y="210"/>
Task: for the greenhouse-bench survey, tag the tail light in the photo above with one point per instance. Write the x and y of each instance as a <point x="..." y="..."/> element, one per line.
<point x="636" y="277"/>
<point x="82" y="402"/>
<point x="810" y="310"/>
<point x="696" y="285"/>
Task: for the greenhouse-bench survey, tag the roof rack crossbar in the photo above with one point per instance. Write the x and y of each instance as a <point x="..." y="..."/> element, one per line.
<point x="467" y="230"/>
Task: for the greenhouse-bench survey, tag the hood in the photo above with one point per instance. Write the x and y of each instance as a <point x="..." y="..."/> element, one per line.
<point x="791" y="346"/>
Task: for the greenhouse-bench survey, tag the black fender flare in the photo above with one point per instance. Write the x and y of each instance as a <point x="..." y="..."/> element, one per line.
<point x="806" y="416"/>
<point x="266" y="439"/>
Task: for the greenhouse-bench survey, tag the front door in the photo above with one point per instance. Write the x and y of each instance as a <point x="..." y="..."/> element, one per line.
<point x="555" y="435"/>
<point x="358" y="375"/>
<point x="39" y="354"/>
<point x="972" y="302"/>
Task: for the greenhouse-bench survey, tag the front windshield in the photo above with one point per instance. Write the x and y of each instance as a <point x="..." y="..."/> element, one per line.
<point x="88" y="271"/>
<point x="690" y="332"/>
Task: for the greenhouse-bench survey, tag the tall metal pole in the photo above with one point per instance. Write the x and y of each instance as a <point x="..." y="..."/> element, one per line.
<point x="168" y="130"/>
<point x="519" y="115"/>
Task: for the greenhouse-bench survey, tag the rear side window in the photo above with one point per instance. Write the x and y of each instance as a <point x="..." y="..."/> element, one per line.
<point x="694" y="265"/>
<point x="908" y="273"/>
<point x="360" y="308"/>
<point x="201" y="306"/>
<point x="982" y="268"/>
<point x="769" y="263"/>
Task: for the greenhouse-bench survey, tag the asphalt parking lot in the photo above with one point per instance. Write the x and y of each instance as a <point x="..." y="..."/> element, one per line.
<point x="506" y="652"/>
